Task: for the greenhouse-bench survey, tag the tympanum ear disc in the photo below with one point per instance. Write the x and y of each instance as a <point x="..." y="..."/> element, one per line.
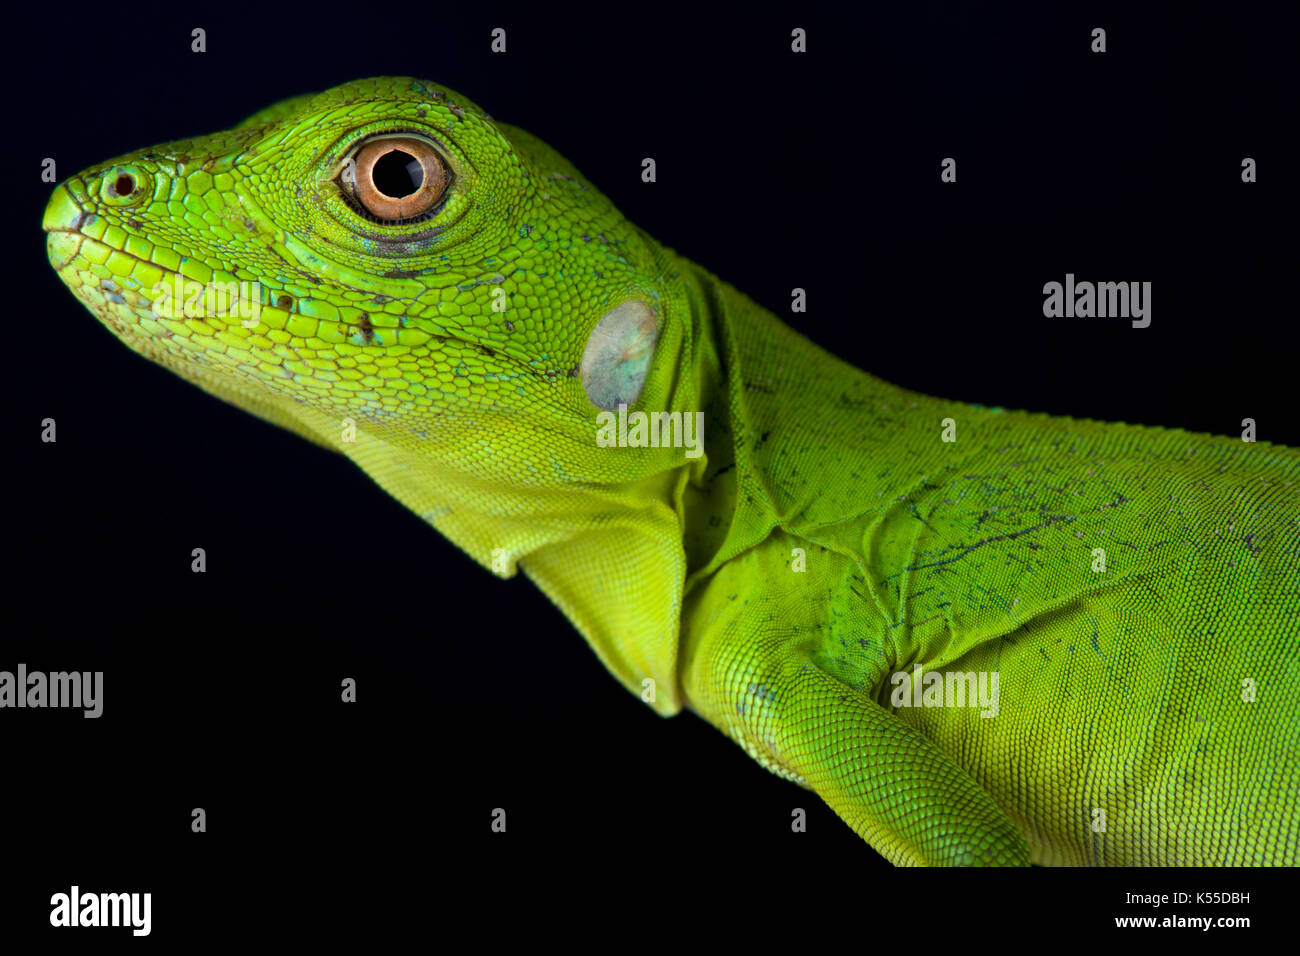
<point x="618" y="353"/>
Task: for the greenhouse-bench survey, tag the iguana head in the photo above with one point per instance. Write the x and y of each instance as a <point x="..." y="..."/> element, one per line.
<point x="437" y="295"/>
<point x="417" y="263"/>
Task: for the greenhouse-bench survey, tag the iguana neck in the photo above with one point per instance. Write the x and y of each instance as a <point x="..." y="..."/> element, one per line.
<point x="794" y="437"/>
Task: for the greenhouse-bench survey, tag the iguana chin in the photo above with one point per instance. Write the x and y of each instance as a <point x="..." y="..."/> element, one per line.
<point x="452" y="305"/>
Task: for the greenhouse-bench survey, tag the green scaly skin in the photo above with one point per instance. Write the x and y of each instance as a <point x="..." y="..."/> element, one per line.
<point x="1124" y="691"/>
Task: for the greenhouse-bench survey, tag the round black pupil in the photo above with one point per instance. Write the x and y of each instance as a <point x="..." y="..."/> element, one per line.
<point x="124" y="185"/>
<point x="398" y="174"/>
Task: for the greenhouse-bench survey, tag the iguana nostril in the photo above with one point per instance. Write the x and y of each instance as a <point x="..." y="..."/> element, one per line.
<point x="124" y="185"/>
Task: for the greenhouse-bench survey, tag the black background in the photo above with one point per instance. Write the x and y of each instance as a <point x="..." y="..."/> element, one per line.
<point x="775" y="170"/>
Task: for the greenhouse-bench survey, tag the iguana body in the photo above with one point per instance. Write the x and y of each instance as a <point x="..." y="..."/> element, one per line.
<point x="827" y="539"/>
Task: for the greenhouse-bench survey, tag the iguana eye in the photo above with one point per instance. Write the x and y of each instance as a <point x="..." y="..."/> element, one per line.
<point x="396" y="178"/>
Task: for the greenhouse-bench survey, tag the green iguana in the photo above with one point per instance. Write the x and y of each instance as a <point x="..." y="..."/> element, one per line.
<point x="983" y="637"/>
